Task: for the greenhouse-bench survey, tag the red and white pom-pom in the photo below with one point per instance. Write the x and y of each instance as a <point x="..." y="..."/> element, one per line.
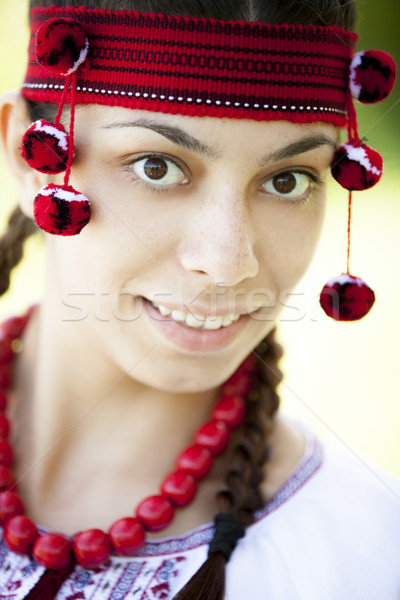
<point x="372" y="76"/>
<point x="61" y="210"/>
<point x="346" y="298"/>
<point x="45" y="147"/>
<point x="356" y="166"/>
<point x="61" y="45"/>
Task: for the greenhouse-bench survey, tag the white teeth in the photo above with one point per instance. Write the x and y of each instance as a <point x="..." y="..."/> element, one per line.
<point x="214" y="322"/>
<point x="164" y="311"/>
<point x="194" y="320"/>
<point x="177" y="315"/>
<point x="197" y="321"/>
<point x="228" y="320"/>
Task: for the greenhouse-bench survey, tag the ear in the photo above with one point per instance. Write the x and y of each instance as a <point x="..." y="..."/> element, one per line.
<point x="14" y="121"/>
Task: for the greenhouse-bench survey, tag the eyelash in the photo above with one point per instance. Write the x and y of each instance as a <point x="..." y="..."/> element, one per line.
<point x="315" y="181"/>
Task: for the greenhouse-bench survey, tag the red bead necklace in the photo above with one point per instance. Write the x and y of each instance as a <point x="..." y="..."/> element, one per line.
<point x="126" y="536"/>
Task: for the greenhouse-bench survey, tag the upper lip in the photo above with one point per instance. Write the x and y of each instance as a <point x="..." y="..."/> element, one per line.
<point x="197" y="310"/>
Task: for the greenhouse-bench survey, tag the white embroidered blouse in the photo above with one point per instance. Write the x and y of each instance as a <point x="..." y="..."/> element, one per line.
<point x="332" y="532"/>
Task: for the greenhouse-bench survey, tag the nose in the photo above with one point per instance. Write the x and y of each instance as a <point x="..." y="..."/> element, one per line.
<point x="219" y="246"/>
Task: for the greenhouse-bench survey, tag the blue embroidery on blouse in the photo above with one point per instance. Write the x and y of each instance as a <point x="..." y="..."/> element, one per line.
<point x="125" y="583"/>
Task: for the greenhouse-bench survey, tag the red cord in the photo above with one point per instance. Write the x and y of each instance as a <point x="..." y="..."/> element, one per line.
<point x="352" y="119"/>
<point x="62" y="100"/>
<point x="71" y="130"/>
<point x="348" y="233"/>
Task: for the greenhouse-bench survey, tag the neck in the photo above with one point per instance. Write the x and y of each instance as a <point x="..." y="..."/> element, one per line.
<point x="108" y="429"/>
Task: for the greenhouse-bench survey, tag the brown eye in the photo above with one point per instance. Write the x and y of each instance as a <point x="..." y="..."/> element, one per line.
<point x="158" y="171"/>
<point x="155" y="168"/>
<point x="284" y="183"/>
<point x="289" y="184"/>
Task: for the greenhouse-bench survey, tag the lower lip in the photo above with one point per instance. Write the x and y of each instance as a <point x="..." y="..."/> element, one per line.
<point x="195" y="340"/>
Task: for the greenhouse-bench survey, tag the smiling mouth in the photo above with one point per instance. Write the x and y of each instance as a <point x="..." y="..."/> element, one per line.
<point x="196" y="321"/>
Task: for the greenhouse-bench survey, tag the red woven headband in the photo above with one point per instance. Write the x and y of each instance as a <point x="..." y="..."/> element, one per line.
<point x="202" y="67"/>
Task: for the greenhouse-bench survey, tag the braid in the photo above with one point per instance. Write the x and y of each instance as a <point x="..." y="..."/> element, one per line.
<point x="19" y="228"/>
<point x="246" y="471"/>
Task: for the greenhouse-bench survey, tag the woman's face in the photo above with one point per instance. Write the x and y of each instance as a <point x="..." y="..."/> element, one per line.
<point x="203" y="216"/>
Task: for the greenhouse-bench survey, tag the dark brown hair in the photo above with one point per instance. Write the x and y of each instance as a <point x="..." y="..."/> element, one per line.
<point x="306" y="12"/>
<point x="242" y="496"/>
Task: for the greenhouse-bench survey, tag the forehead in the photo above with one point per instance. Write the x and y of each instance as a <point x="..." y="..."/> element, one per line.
<point x="214" y="135"/>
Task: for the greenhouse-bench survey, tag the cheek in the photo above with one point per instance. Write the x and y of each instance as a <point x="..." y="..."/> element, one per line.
<point x="291" y="241"/>
<point x="134" y="215"/>
<point x="128" y="236"/>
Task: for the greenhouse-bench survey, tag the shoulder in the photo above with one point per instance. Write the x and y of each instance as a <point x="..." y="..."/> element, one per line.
<point x="355" y="481"/>
<point x="345" y="489"/>
<point x="332" y="531"/>
<point x="337" y="484"/>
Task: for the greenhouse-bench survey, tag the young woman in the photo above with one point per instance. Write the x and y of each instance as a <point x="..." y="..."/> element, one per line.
<point x="154" y="344"/>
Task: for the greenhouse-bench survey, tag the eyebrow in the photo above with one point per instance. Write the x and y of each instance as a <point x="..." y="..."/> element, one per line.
<point x="174" y="134"/>
<point x="182" y="138"/>
<point x="305" y="144"/>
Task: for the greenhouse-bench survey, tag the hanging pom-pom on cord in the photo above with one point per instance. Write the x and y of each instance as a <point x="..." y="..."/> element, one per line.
<point x="357" y="167"/>
<point x="345" y="297"/>
<point x="61" y="47"/>
<point x="45" y="145"/>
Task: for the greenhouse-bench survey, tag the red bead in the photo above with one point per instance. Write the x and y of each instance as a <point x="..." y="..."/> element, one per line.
<point x="5" y="376"/>
<point x="10" y="506"/>
<point x="19" y="534"/>
<point x="195" y="460"/>
<point x="13" y="327"/>
<point x="4" y="426"/>
<point x="180" y="487"/>
<point x="6" y="453"/>
<point x="155" y="512"/>
<point x="239" y="384"/>
<point x="52" y="551"/>
<point x="231" y="410"/>
<point x="61" y="210"/>
<point x="7" y="479"/>
<point x="3" y="401"/>
<point x="214" y="436"/>
<point x="127" y="536"/>
<point x="61" y="45"/>
<point x="346" y="298"/>
<point x="92" y="548"/>
<point x="6" y="353"/>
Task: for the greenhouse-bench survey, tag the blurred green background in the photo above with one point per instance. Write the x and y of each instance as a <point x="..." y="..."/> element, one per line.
<point x="341" y="378"/>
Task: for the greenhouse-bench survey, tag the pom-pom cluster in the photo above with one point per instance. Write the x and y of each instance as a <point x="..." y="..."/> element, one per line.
<point x="371" y="78"/>
<point x="61" y="47"/>
<point x="356" y="167"/>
